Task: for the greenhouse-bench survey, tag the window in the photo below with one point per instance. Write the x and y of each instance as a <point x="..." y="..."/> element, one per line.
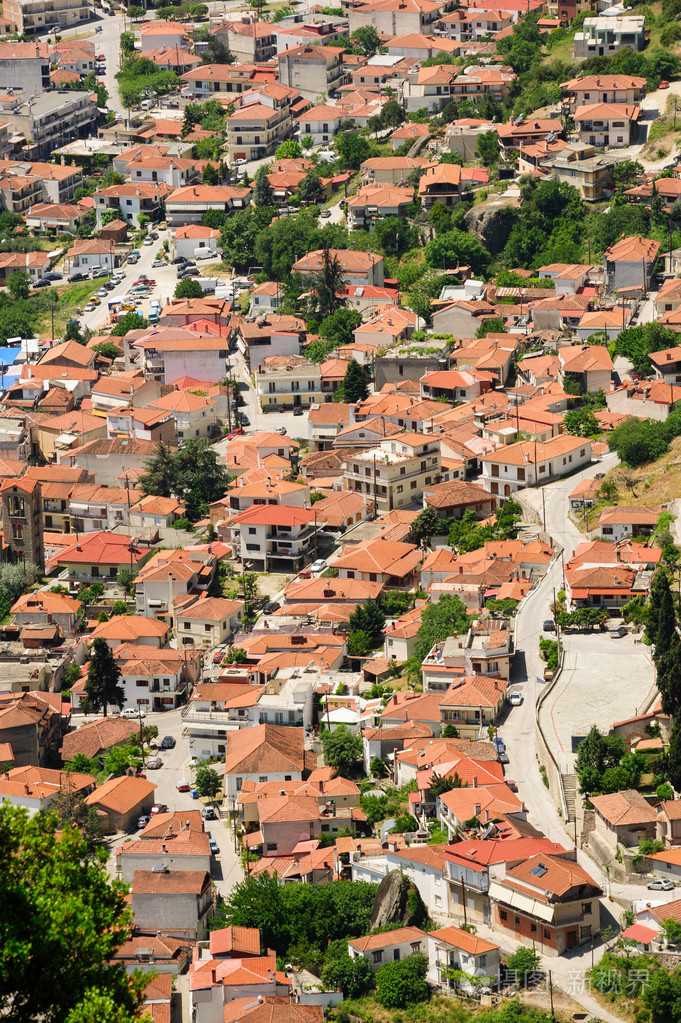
<point x="378" y="956"/>
<point x="271" y="846"/>
<point x="206" y="628"/>
<point x="533" y="928"/>
<point x="17" y="532"/>
<point x="239" y="783"/>
<point x="252" y="530"/>
<point x="252" y="546"/>
<point x="547" y="932"/>
<point x="287" y="777"/>
<point x="586" y="908"/>
<point x="413" y="485"/>
<point x="503" y="915"/>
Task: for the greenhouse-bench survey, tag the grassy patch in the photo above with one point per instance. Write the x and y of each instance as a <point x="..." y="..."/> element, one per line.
<point x="69" y="297"/>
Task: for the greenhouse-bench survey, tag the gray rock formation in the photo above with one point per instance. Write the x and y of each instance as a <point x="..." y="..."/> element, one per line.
<point x="397" y="901"/>
<point x="491" y="222"/>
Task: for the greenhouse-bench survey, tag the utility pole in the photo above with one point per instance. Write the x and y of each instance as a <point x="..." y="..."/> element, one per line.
<point x="553" y="1017"/>
<point x="543" y="505"/>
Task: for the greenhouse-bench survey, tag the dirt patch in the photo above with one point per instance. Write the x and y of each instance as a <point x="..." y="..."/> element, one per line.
<point x="656" y="483"/>
<point x="270" y="583"/>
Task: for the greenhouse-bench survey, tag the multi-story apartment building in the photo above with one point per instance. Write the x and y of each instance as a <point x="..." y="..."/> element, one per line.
<point x="275" y="537"/>
<point x="394" y="474"/>
<point x="231" y="79"/>
<point x="591" y="89"/>
<point x="51" y="119"/>
<point x="129" y="200"/>
<point x="576" y="163"/>
<point x="261" y="122"/>
<point x="312" y="70"/>
<point x="288" y="381"/>
<point x="376" y="202"/>
<point x="29" y="16"/>
<point x="528" y="463"/>
<point x="187" y="205"/>
<point x="22" y="521"/>
<point x="607" y="124"/>
<point x="251" y="41"/>
<point x="399" y="17"/>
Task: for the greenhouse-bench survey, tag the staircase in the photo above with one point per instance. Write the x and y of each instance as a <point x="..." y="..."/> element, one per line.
<point x="570" y="783"/>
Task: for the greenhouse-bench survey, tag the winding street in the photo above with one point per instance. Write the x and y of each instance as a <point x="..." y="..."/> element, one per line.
<point x="518" y="732"/>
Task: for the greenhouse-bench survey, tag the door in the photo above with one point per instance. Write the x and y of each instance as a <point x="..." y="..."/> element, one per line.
<point x="571" y="938"/>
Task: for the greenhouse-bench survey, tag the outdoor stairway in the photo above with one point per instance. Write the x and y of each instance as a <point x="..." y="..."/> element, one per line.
<point x="570" y="784"/>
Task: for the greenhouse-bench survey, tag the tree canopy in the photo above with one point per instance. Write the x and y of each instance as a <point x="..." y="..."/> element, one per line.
<point x="192" y="474"/>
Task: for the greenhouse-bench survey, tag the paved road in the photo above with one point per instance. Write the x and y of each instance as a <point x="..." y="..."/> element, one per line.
<point x="226" y="870"/>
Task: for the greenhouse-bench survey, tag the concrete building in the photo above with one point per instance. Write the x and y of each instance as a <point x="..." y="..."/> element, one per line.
<point x="394" y="474"/>
<point x="51" y="119"/>
<point x="32" y="16"/>
<point x="630" y="263"/>
<point x="25" y="67"/>
<point x="288" y="381"/>
<point x="22" y="523"/>
<point x="276" y="537"/>
<point x="312" y="70"/>
<point x="177" y="902"/>
<point x="261" y="122"/>
<point x="603" y="36"/>
<point x="607" y="124"/>
<point x="389" y="947"/>
<point x="250" y="41"/>
<point x="528" y="463"/>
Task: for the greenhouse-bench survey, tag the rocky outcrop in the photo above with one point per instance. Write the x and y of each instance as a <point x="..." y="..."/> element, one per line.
<point x="397" y="901"/>
<point x="491" y="222"/>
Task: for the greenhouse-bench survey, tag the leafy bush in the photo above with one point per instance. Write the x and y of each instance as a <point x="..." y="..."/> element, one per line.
<point x="402" y="983"/>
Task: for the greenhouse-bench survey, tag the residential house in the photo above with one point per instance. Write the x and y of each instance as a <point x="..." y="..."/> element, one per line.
<point x="313" y="70"/>
<point x="358" y="268"/>
<point x="101" y="555"/>
<point x="120" y="801"/>
<point x="44" y="608"/>
<point x="163" y="33"/>
<point x="389" y="947"/>
<point x="171" y="574"/>
<point x="205" y="622"/>
<point x="376" y="202"/>
<point x="388" y="562"/>
<point x="263" y="753"/>
<point x="195" y="415"/>
<point x="90" y="253"/>
<point x="607" y="124"/>
<point x="185" y="849"/>
<point x="156" y="513"/>
<point x="132" y="630"/>
<point x="215" y="709"/>
<point x="452" y="499"/>
<point x="187" y="205"/>
<point x="550" y="900"/>
<point x="394" y="474"/>
<point x="179" y="903"/>
<point x="630" y="263"/>
<point x="261" y="122"/>
<point x="288" y="381"/>
<point x="528" y="463"/>
<point x="321" y="122"/>
<point x="192" y="240"/>
<point x="95" y="738"/>
<point x="620" y="522"/>
<point x="276" y="536"/>
<point x="621" y="819"/>
<point x="250" y="41"/>
<point x="667" y="365"/>
<point x="591" y="365"/>
<point x="129" y="200"/>
<point x="36" y="788"/>
<point x="152" y="684"/>
<point x="589" y="89"/>
<point x="452" y="948"/>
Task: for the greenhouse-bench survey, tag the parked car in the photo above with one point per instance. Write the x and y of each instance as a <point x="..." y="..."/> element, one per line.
<point x="42" y="283"/>
<point x="271" y="606"/>
<point x="143" y="820"/>
<point x="102" y="293"/>
<point x="154" y="763"/>
<point x="298" y="410"/>
<point x="182" y="785"/>
<point x="663" y="85"/>
<point x="214" y="847"/>
<point x="90" y="307"/>
<point x="208" y="813"/>
<point x="324" y="214"/>
<point x="100" y="271"/>
<point x="618" y="632"/>
<point x="511" y="784"/>
<point x="158" y="262"/>
<point x="217" y="657"/>
<point x="167" y="742"/>
<point x="148" y="241"/>
<point x="318" y="566"/>
<point x="281" y="430"/>
<point x="133" y="712"/>
<point x="237" y="432"/>
<point x="245" y="421"/>
<point x="549" y="625"/>
<point x="515" y="699"/>
<point x="178" y="260"/>
<point x="53" y="276"/>
<point x="661" y="884"/>
<point x="503" y="758"/>
<point x="240" y="161"/>
<point x="158" y="808"/>
<point x="77" y="276"/>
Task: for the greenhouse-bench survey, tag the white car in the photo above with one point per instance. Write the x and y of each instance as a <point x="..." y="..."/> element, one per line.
<point x="318" y="566"/>
<point x="515" y="699"/>
<point x="660" y="885"/>
<point x="90" y="307"/>
<point x="133" y="712"/>
<point x="148" y="241"/>
<point x="157" y="263"/>
<point x="239" y="162"/>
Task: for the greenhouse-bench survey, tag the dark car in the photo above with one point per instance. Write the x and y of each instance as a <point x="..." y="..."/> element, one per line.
<point x="271" y="607"/>
<point x="549" y="625"/>
<point x="77" y="277"/>
<point x="42" y="283"/>
<point x="54" y="276"/>
<point x="298" y="411"/>
<point x="167" y="742"/>
<point x="245" y="421"/>
<point x="178" y="260"/>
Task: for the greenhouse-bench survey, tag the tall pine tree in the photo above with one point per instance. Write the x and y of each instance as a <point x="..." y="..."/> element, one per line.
<point x="103" y="678"/>
<point x="354" y="385"/>
<point x="262" y="191"/>
<point x="674" y="756"/>
<point x="661" y="615"/>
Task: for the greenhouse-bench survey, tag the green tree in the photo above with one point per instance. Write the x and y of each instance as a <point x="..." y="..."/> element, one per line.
<point x="338" y="327"/>
<point x="352" y="975"/>
<point x="487" y="148"/>
<point x="119" y="759"/>
<point x="108" y="349"/>
<point x="457" y="248"/>
<point x="673" y="757"/>
<point x="661" y="615"/>
<point x="581" y="423"/>
<point x="192" y="474"/>
<point x="669" y="677"/>
<point x="342" y="749"/>
<point x="289" y="150"/>
<point x="359" y="643"/>
<point x="523" y="962"/>
<point x="438" y="621"/>
<point x="425" y="526"/>
<point x="492" y="325"/>
<point x="597" y="754"/>
<point x="355" y="384"/>
<point x="208" y="782"/>
<point x="310" y="189"/>
<point x="188" y="289"/>
<point x="450" y="732"/>
<point x="263" y="195"/>
<point x="352" y="148"/>
<point x="210" y="175"/>
<point x="367" y="38"/>
<point x="662" y="995"/>
<point x="638" y="442"/>
<point x="131" y="321"/>
<point x="405" y="823"/>
<point x="626" y="173"/>
<point x="326" y="287"/>
<point x="59" y="906"/>
<point x="103" y="686"/>
<point x="439" y="785"/>
<point x="395" y="235"/>
<point x="71" y="808"/>
<point x="370" y="618"/>
<point x="378" y="768"/>
<point x="402" y="983"/>
<point x="392" y="114"/>
<point x="19" y="284"/>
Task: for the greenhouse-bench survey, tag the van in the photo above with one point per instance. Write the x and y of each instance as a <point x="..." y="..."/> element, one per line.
<point x="226" y="291"/>
<point x="147" y="104"/>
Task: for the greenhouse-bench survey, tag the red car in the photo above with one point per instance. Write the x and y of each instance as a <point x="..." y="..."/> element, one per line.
<point x="237" y="432"/>
<point x="217" y="657"/>
<point x="158" y="808"/>
<point x="143" y="280"/>
<point x="664" y="85"/>
<point x="182" y="785"/>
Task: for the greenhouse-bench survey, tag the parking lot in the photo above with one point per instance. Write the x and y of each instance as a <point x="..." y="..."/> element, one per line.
<point x="603" y="680"/>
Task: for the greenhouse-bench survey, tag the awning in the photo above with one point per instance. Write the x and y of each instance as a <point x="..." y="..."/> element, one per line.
<point x="516" y="900"/>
